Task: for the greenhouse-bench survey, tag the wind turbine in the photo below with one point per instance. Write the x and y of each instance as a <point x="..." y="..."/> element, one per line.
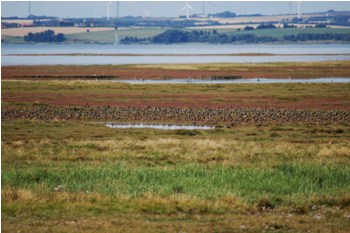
<point x="29" y="9"/>
<point x="117" y="6"/>
<point x="187" y="7"/>
<point x="299" y="9"/>
<point x="108" y="9"/>
<point x="290" y="7"/>
<point x="146" y="14"/>
<point x="203" y="8"/>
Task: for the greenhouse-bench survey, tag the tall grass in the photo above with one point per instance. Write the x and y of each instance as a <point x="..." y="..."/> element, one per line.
<point x="208" y="182"/>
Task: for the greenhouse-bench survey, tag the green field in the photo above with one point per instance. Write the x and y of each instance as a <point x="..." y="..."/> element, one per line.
<point x="12" y="39"/>
<point x="143" y="174"/>
<point x="109" y="36"/>
<point x="290" y="31"/>
<point x="71" y="175"/>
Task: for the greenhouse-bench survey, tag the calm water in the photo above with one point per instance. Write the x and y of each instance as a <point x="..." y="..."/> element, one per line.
<point x="339" y="51"/>
<point x="156" y="126"/>
<point x="175" y="49"/>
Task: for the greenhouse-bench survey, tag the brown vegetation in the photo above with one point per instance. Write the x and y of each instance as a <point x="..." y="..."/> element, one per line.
<point x="211" y="115"/>
<point x="266" y="70"/>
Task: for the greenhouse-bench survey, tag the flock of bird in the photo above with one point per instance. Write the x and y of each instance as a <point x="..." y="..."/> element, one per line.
<point x="230" y="116"/>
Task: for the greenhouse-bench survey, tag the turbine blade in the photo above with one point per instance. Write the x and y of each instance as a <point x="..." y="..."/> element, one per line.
<point x="183" y="8"/>
<point x="189" y="6"/>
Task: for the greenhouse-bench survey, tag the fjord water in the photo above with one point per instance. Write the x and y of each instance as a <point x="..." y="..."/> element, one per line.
<point x="86" y="53"/>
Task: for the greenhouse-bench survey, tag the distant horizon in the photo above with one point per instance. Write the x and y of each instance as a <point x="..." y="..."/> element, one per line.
<point x="68" y="9"/>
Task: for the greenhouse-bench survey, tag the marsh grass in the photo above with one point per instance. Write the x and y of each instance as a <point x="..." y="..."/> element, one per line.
<point x="91" y="91"/>
<point x="140" y="174"/>
<point x="64" y="142"/>
<point x="39" y="156"/>
<point x="208" y="182"/>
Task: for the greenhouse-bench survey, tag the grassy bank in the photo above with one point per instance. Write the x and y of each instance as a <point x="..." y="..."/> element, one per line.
<point x="81" y="176"/>
<point x="109" y="36"/>
<point x="65" y="174"/>
<point x="68" y="93"/>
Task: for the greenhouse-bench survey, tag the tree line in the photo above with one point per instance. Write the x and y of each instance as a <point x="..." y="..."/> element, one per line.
<point x="180" y="36"/>
<point x="46" y="36"/>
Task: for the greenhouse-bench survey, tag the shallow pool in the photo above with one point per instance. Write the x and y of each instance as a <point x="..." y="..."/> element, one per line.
<point x="157" y="126"/>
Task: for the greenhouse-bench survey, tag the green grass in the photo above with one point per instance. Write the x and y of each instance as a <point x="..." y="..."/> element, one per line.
<point x="12" y="39"/>
<point x="277" y="178"/>
<point x="206" y="182"/>
<point x="108" y="172"/>
<point x="280" y="32"/>
<point x="144" y="175"/>
<point x="109" y="36"/>
<point x="46" y="92"/>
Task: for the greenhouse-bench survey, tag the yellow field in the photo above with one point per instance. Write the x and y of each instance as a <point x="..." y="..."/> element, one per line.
<point x="242" y="26"/>
<point x="258" y="19"/>
<point x="64" y="30"/>
<point x="27" y="21"/>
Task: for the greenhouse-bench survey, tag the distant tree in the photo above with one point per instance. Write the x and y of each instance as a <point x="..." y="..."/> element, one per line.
<point x="179" y="36"/>
<point x="285" y="25"/>
<point x="171" y="36"/>
<point x="248" y="28"/>
<point x="225" y="14"/>
<point x="266" y="26"/>
<point x="321" y="25"/>
<point x="59" y="37"/>
<point x="46" y="36"/>
<point x="296" y="20"/>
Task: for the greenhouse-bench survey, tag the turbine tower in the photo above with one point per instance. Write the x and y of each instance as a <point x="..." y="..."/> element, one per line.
<point x="290" y="8"/>
<point x="108" y="9"/>
<point x="203" y="8"/>
<point x="116" y="39"/>
<point x="117" y="6"/>
<point x="29" y="9"/>
<point x="187" y="7"/>
<point x="299" y="9"/>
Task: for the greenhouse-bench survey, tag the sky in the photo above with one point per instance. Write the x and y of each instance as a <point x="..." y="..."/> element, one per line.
<point x="76" y="9"/>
